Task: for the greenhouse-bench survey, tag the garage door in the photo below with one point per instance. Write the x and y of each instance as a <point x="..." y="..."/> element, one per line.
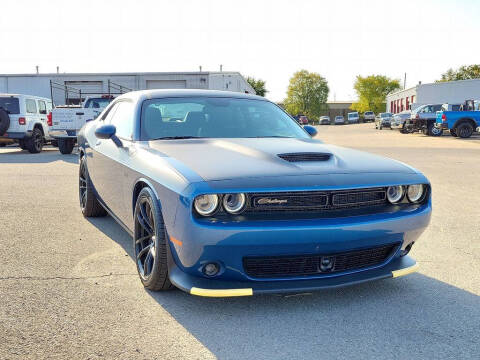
<point x="166" y="84"/>
<point x="87" y="87"/>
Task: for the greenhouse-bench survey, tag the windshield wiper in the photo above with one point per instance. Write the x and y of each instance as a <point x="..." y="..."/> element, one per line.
<point x="177" y="137"/>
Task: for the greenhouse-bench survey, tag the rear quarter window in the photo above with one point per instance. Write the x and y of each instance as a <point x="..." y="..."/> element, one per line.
<point x="31" y="106"/>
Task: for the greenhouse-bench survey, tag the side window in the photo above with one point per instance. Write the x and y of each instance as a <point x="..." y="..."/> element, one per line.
<point x="31" y="106"/>
<point x="123" y="119"/>
<point x="42" y="107"/>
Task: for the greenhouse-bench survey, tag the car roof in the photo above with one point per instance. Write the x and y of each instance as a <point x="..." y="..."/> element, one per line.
<point x="24" y="95"/>
<point x="167" y="93"/>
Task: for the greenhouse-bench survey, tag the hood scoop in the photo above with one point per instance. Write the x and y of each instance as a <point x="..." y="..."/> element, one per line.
<point x="305" y="156"/>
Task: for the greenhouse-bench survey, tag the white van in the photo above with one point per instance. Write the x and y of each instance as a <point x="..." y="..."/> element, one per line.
<point x="25" y="119"/>
<point x="353" y="117"/>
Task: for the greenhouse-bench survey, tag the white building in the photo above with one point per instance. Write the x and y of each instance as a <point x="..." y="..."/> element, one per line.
<point x="97" y="83"/>
<point x="453" y="92"/>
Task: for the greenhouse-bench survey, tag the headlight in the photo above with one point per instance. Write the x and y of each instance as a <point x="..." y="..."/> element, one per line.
<point x="415" y="192"/>
<point x="206" y="204"/>
<point x="234" y="203"/>
<point x="394" y="194"/>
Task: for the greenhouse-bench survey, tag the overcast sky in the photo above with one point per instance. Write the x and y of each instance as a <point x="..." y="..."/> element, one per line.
<point x="266" y="39"/>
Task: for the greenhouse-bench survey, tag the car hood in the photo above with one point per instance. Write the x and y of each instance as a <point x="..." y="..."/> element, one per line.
<point x="227" y="159"/>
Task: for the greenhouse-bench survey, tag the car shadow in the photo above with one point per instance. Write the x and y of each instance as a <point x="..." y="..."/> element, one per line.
<point x="15" y="155"/>
<point x="406" y="318"/>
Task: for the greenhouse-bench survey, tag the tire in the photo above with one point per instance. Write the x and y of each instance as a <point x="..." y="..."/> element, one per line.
<point x="89" y="204"/>
<point x="150" y="242"/>
<point x="453" y="133"/>
<point x="432" y="130"/>
<point x="464" y="130"/>
<point x="66" y="145"/>
<point x="34" y="143"/>
<point x="4" y="121"/>
<point x="55" y="143"/>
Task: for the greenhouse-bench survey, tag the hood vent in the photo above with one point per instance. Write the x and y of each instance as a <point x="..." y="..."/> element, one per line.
<point x="305" y="156"/>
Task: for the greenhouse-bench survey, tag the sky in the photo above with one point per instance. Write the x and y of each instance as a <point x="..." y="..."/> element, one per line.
<point x="339" y="39"/>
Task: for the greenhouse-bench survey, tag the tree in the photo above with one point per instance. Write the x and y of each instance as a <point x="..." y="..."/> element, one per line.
<point x="307" y="94"/>
<point x="464" y="72"/>
<point x="372" y="91"/>
<point x="258" y="85"/>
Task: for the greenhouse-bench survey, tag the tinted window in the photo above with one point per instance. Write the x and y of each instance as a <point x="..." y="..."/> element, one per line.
<point x="10" y="105"/>
<point x="123" y="119"/>
<point x="216" y="118"/>
<point x="31" y="106"/>
<point x="437" y="108"/>
<point x="42" y="107"/>
<point x="455" y="107"/>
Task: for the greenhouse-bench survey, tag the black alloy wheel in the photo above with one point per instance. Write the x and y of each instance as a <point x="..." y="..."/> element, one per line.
<point x="89" y="204"/>
<point x="149" y="240"/>
<point x="464" y="130"/>
<point x="34" y="143"/>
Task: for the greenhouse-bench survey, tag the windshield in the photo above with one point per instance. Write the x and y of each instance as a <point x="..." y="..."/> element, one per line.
<point x="10" y="105"/>
<point x="385" y="114"/>
<point x="215" y="118"/>
<point x="352" y="115"/>
<point x="98" y="103"/>
<point x="368" y="113"/>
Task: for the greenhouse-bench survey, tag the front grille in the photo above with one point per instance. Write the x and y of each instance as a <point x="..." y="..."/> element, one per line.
<point x="305" y="156"/>
<point x="315" y="200"/>
<point x="305" y="265"/>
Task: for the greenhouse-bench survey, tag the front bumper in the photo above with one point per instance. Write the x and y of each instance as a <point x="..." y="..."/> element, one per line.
<point x="208" y="288"/>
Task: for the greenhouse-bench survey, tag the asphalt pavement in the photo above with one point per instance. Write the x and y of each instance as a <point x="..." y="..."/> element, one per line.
<point x="69" y="287"/>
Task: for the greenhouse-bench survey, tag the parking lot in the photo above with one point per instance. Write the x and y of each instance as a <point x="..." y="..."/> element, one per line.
<point x="69" y="287"/>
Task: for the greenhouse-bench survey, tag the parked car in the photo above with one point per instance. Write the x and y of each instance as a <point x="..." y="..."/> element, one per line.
<point x="324" y="120"/>
<point x="339" y="120"/>
<point x="23" y="119"/>
<point x="67" y="120"/>
<point x="383" y="120"/>
<point x="353" y="118"/>
<point x="303" y="120"/>
<point x="260" y="226"/>
<point x="461" y="123"/>
<point x="423" y="119"/>
<point x="368" y="116"/>
<point x="399" y="120"/>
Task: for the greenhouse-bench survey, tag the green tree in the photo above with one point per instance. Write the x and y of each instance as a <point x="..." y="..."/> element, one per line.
<point x="307" y="94"/>
<point x="464" y="72"/>
<point x="258" y="85"/>
<point x="371" y="91"/>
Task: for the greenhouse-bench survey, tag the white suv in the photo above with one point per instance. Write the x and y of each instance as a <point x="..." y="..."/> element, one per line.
<point x="25" y="119"/>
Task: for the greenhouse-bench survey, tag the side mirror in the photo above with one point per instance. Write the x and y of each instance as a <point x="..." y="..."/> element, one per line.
<point x="105" y="131"/>
<point x="310" y="130"/>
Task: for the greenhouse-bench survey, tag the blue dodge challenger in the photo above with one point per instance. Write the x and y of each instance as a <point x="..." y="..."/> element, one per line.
<point x="224" y="194"/>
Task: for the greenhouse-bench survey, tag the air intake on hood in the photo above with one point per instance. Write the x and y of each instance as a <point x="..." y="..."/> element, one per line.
<point x="305" y="156"/>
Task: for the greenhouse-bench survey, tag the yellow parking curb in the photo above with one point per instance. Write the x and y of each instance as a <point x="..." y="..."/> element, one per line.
<point x="406" y="271"/>
<point x="221" y="292"/>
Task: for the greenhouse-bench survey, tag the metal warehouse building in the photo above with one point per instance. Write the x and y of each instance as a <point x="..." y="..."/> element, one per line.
<point x="98" y="83"/>
<point x="453" y="92"/>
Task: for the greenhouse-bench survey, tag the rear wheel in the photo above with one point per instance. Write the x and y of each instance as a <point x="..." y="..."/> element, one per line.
<point x="464" y="130"/>
<point x="34" y="143"/>
<point x="432" y="130"/>
<point x="66" y="145"/>
<point x="150" y="242"/>
<point x="89" y="203"/>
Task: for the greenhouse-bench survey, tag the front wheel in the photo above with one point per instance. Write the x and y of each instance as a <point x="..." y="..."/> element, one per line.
<point x="150" y="242"/>
<point x="66" y="145"/>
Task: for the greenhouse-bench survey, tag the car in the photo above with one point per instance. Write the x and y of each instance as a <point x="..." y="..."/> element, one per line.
<point x="224" y="194"/>
<point x="339" y="120"/>
<point x="303" y="120"/>
<point x="462" y="122"/>
<point x="423" y="118"/>
<point x="24" y="120"/>
<point x="383" y="120"/>
<point x="353" y="118"/>
<point x="324" y="120"/>
<point x="368" y="116"/>
<point x="67" y="120"/>
<point x="399" y="121"/>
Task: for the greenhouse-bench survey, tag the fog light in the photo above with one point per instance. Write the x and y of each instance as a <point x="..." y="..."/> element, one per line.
<point x="211" y="269"/>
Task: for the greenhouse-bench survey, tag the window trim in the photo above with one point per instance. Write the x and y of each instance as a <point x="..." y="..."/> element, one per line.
<point x="132" y="136"/>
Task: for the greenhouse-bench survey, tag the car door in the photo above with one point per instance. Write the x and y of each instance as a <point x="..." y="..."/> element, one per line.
<point x="113" y="159"/>
<point x="31" y="116"/>
<point x="42" y="115"/>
